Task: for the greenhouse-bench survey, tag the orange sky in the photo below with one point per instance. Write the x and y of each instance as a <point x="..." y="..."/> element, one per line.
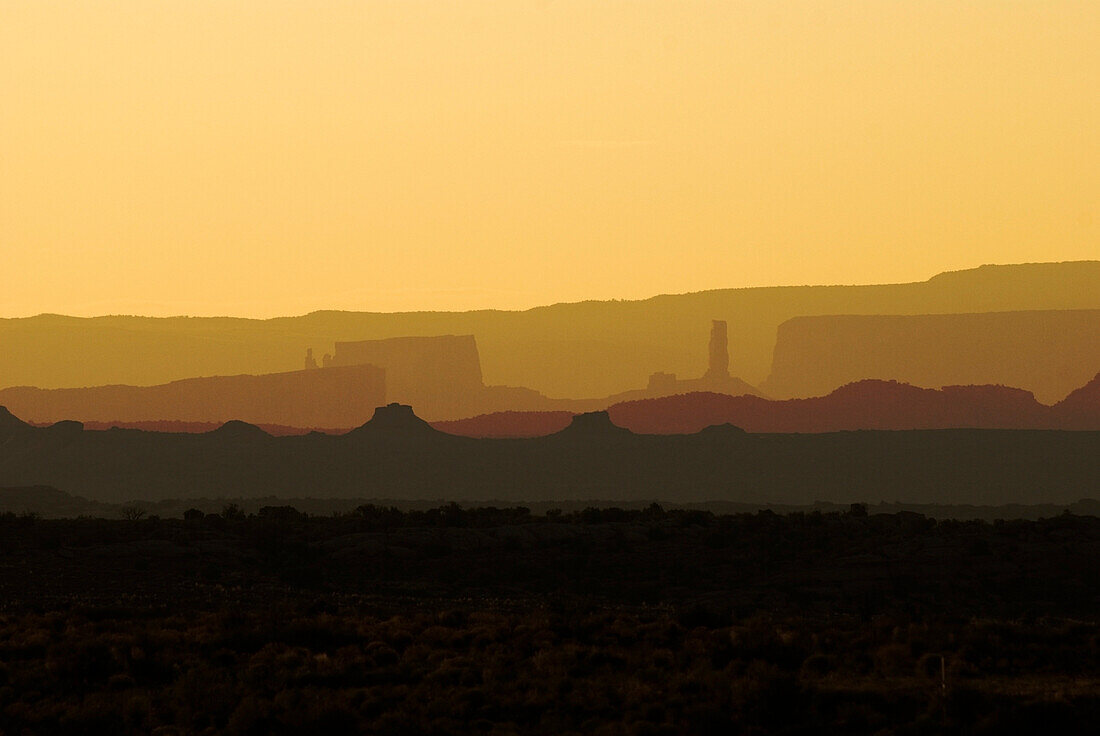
<point x="266" y="157"/>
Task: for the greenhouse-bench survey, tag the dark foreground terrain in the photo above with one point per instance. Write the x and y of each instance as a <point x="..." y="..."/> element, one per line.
<point x="592" y="621"/>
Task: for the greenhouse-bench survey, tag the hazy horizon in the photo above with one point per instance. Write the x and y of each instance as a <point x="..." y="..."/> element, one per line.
<point x="275" y="158"/>
<point x="214" y="315"/>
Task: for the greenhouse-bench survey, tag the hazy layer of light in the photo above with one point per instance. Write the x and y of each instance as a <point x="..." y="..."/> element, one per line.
<point x="265" y="157"/>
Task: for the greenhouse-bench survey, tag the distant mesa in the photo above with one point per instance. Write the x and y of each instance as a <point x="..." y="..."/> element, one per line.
<point x="440" y="375"/>
<point x="943" y="332"/>
<point x="1049" y="353"/>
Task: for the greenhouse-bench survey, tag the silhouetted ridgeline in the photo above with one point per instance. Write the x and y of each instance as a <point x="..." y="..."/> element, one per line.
<point x="333" y="397"/>
<point x="170" y="425"/>
<point x="564" y="350"/>
<point x="869" y="404"/>
<point x="396" y="455"/>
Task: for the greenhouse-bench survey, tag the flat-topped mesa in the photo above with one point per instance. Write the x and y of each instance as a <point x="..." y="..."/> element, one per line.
<point x="439" y="374"/>
<point x="593" y="424"/>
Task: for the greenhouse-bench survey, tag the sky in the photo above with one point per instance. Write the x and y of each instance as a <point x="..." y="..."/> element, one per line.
<point x="265" y="157"/>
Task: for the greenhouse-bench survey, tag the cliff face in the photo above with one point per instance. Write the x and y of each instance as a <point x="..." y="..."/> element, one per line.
<point x="1049" y="353"/>
<point x="329" y="397"/>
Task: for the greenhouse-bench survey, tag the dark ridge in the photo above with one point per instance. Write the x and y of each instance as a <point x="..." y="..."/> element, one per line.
<point x="66" y="426"/>
<point x="593" y="424"/>
<point x="397" y="420"/>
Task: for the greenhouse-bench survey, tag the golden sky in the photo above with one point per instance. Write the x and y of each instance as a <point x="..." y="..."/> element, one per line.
<point x="266" y="157"/>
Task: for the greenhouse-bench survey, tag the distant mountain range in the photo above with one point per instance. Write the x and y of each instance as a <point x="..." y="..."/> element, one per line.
<point x="598" y="349"/>
<point x="397" y="455"/>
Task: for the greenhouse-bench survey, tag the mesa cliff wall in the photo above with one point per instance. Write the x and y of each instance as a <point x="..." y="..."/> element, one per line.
<point x="440" y="375"/>
<point x="1049" y="353"/>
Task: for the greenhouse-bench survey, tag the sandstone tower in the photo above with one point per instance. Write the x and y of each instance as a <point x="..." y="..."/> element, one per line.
<point x="719" y="366"/>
